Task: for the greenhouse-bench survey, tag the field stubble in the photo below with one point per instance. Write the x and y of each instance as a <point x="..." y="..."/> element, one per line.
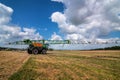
<point x="62" y="65"/>
<point x="10" y="62"/>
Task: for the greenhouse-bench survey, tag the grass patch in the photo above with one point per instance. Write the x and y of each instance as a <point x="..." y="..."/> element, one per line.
<point x="27" y="72"/>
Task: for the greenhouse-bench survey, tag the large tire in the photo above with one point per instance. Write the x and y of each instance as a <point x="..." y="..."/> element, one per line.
<point x="35" y="51"/>
<point x="44" y="51"/>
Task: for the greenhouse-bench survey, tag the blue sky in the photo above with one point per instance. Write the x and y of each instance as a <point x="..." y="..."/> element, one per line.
<point x="59" y="19"/>
<point x="35" y="14"/>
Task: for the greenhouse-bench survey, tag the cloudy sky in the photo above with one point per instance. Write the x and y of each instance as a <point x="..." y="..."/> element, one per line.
<point x="59" y="19"/>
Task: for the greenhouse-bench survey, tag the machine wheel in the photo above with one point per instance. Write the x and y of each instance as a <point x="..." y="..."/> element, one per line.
<point x="35" y="51"/>
<point x="44" y="51"/>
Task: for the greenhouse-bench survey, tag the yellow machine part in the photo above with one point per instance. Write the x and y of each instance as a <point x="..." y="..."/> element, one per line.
<point x="37" y="44"/>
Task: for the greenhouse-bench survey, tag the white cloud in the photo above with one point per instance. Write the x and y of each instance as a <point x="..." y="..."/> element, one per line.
<point x="30" y="34"/>
<point x="57" y="0"/>
<point x="74" y="36"/>
<point x="5" y="13"/>
<point x="88" y="19"/>
<point x="12" y="32"/>
<point x="55" y="37"/>
<point x="58" y="17"/>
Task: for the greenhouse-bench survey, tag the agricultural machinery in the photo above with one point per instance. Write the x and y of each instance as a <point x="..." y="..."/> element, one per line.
<point x="41" y="46"/>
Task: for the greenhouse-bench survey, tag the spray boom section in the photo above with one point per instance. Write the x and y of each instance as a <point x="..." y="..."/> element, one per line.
<point x="52" y="41"/>
<point x="27" y="42"/>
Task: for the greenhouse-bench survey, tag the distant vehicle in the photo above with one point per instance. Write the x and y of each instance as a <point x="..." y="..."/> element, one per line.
<point x="37" y="48"/>
<point x="41" y="46"/>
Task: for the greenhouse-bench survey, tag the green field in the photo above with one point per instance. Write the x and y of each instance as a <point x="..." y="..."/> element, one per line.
<point x="60" y="65"/>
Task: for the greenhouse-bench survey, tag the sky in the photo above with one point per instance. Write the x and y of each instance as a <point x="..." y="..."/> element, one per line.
<point x="59" y="20"/>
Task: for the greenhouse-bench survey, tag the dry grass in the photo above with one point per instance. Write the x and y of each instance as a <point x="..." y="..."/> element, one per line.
<point x="60" y="65"/>
<point x="10" y="62"/>
<point x="71" y="65"/>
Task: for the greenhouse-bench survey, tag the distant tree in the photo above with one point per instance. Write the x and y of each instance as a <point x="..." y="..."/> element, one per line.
<point x="110" y="48"/>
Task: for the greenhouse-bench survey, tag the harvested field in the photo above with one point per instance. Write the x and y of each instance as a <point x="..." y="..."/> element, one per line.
<point x="60" y="65"/>
<point x="10" y="62"/>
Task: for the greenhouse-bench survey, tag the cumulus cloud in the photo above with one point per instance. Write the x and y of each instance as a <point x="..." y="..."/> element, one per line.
<point x="88" y="19"/>
<point x="12" y="32"/>
<point x="74" y="36"/>
<point x="55" y="37"/>
<point x="5" y="13"/>
<point x="57" y="0"/>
